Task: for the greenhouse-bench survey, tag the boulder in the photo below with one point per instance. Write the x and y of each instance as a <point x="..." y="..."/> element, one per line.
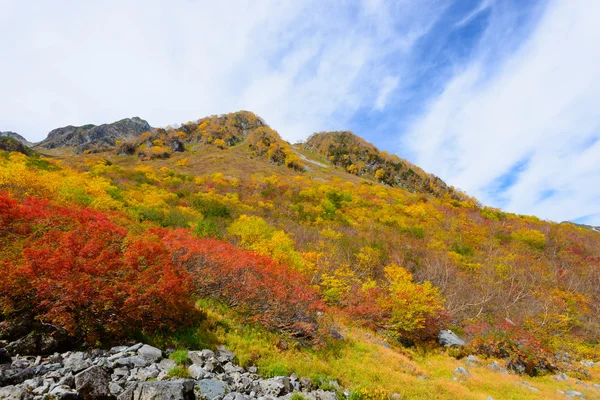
<point x="496" y="367"/>
<point x="211" y="388"/>
<point x="133" y="361"/>
<point x="277" y="386"/>
<point x="164" y="390"/>
<point x="462" y="371"/>
<point x="325" y="395"/>
<point x="473" y="361"/>
<point x="92" y="384"/>
<point x="63" y="392"/>
<point x="12" y="393"/>
<point x="196" y="371"/>
<point x="150" y="353"/>
<point x="224" y="356"/>
<point x="447" y="338"/>
<point x="76" y="362"/>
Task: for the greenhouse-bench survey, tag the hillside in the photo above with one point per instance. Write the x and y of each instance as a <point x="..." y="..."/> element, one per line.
<point x="220" y="232"/>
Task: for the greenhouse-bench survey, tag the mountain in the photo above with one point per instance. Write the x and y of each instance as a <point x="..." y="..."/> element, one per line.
<point x="16" y="136"/>
<point x="359" y="157"/>
<point x="308" y="258"/>
<point x="92" y="138"/>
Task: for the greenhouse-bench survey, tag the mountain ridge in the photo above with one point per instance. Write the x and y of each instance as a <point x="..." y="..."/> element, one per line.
<point x="94" y="137"/>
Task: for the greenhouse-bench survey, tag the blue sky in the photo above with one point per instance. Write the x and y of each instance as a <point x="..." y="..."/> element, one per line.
<point x="497" y="97"/>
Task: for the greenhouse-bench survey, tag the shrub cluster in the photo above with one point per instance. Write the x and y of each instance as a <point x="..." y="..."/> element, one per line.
<point x="75" y="269"/>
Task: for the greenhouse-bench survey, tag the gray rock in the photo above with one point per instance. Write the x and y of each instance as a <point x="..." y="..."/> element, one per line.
<point x="144" y="374"/>
<point x="196" y="357"/>
<point x="171" y="390"/>
<point x="495" y="366"/>
<point x="63" y="393"/>
<point x="76" y="362"/>
<point x="117" y="349"/>
<point x="133" y="348"/>
<point x="211" y="364"/>
<point x="211" y="388"/>
<point x="572" y="394"/>
<point x="462" y="371"/>
<point x="224" y="355"/>
<point x="67" y="380"/>
<point x="235" y="396"/>
<point x="127" y="393"/>
<point x="561" y="377"/>
<point x="133" y="361"/>
<point x="12" y="393"/>
<point x="587" y="363"/>
<point x="150" y="353"/>
<point x="306" y="383"/>
<point x="166" y="365"/>
<point x="197" y="372"/>
<point x="115" y="389"/>
<point x="473" y="361"/>
<point x="42" y="389"/>
<point x="447" y="338"/>
<point x="277" y="386"/>
<point x="324" y="395"/>
<point x="92" y="383"/>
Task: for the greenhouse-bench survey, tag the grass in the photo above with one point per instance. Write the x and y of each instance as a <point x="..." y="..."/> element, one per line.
<point x="362" y="364"/>
<point x="180" y="356"/>
<point x="179" y="371"/>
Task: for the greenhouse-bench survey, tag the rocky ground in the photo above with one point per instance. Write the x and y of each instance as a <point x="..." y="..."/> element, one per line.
<point x="141" y="372"/>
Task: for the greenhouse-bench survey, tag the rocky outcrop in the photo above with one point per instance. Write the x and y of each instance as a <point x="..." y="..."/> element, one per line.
<point x="447" y="338"/>
<point x="141" y="372"/>
<point x="17" y="137"/>
<point x="10" y="144"/>
<point x="91" y="137"/>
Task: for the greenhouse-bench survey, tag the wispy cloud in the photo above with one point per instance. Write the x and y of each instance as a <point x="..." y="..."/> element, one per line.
<point x="303" y="66"/>
<point x="539" y="104"/>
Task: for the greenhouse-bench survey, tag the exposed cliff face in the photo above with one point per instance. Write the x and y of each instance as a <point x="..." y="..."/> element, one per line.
<point x="17" y="137"/>
<point x="89" y="137"/>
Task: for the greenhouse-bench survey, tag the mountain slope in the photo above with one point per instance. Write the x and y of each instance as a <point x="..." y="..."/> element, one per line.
<point x="392" y="264"/>
<point x="92" y="137"/>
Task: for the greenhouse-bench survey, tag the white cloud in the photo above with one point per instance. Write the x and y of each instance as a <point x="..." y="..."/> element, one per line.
<point x="539" y="104"/>
<point x="303" y="66"/>
<point x="388" y="84"/>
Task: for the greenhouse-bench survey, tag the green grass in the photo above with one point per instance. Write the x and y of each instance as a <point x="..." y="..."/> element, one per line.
<point x="180" y="356"/>
<point x="360" y="363"/>
<point x="179" y="371"/>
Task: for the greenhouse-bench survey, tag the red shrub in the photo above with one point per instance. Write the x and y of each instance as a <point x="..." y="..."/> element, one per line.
<point x="74" y="268"/>
<point x="267" y="292"/>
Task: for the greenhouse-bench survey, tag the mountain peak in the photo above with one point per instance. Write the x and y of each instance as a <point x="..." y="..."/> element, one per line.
<point x="91" y="136"/>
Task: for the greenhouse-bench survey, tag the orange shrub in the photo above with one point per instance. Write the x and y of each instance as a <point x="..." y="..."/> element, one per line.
<point x="267" y="292"/>
<point x="75" y="269"/>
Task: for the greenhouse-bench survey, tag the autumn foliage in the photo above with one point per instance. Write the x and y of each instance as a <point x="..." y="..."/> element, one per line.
<point x="75" y="269"/>
<point x="258" y="287"/>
